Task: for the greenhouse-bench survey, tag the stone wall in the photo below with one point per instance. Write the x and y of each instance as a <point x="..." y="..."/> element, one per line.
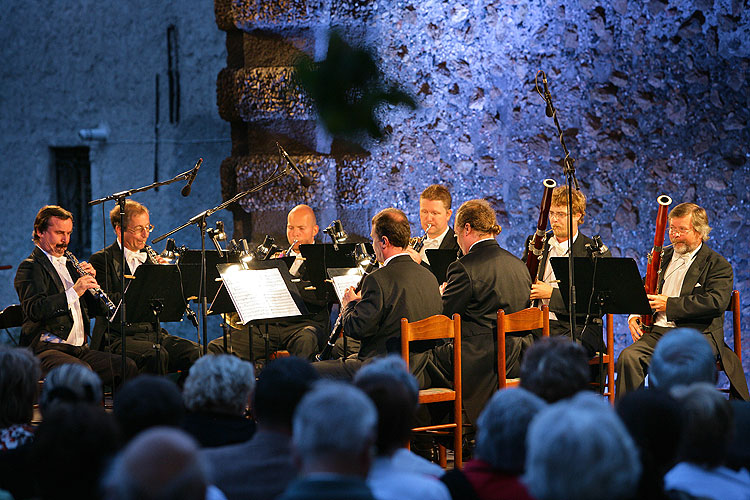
<point x="652" y="96"/>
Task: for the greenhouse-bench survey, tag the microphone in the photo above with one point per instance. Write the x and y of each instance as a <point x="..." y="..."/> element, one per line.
<point x="191" y="177"/>
<point x="547" y="96"/>
<point x="304" y="179"/>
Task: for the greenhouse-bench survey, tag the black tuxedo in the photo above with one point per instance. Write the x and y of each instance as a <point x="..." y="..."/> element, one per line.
<point x="592" y="337"/>
<point x="703" y="300"/>
<point x="45" y="310"/>
<point x="401" y="289"/>
<point x="176" y="353"/>
<point x="449" y="243"/>
<point x="480" y="283"/>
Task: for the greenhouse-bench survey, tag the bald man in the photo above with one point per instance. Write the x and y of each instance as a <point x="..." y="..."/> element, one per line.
<point x="301" y="337"/>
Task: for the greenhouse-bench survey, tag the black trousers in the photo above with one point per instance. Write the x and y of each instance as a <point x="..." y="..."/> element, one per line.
<point x="107" y="366"/>
<point x="175" y="353"/>
<point x="300" y="340"/>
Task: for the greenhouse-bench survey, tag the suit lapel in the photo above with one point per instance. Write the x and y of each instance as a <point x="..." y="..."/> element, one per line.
<point x="665" y="259"/>
<point x="40" y="257"/>
<point x="694" y="272"/>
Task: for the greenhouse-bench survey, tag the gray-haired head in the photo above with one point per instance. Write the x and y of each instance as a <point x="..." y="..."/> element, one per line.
<point x="502" y="428"/>
<point x="71" y="383"/>
<point x="19" y="376"/>
<point x="708" y="424"/>
<point x="219" y="382"/>
<point x="579" y="449"/>
<point x="333" y="421"/>
<point x="682" y="356"/>
<point x="160" y="463"/>
<point x="391" y="367"/>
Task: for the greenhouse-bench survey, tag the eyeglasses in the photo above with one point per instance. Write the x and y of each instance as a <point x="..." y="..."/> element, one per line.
<point x="558" y="215"/>
<point x="678" y="231"/>
<point x="140" y="229"/>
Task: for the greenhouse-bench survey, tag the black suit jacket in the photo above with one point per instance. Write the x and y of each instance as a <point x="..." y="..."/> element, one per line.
<point x="704" y="297"/>
<point x="592" y="338"/>
<point x="449" y="243"/>
<point x="42" y="296"/>
<point x="402" y="289"/>
<point x="480" y="283"/>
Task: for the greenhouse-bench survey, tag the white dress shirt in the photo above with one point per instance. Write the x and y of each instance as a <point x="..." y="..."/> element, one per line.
<point x="432" y="243"/>
<point x="674" y="275"/>
<point x="556" y="249"/>
<point x="77" y="334"/>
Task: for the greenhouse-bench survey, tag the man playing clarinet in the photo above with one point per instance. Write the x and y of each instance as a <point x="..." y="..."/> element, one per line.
<point x="695" y="285"/>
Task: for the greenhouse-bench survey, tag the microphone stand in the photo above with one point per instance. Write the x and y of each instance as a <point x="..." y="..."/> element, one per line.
<point x="120" y="198"/>
<point x="569" y="172"/>
<point x="199" y="221"/>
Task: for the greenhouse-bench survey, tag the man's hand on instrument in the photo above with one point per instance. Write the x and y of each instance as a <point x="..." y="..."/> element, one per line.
<point x="442" y="287"/>
<point x="658" y="303"/>
<point x="634" y="324"/>
<point x="350" y="295"/>
<point x="414" y="255"/>
<point x="84" y="283"/>
<point x="540" y="290"/>
<point x="88" y="268"/>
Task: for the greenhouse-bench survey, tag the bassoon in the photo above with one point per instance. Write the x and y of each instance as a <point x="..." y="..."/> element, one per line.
<point x="653" y="269"/>
<point x="536" y="243"/>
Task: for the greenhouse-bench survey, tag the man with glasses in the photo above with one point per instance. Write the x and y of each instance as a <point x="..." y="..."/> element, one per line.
<point x="546" y="288"/>
<point x="695" y="286"/>
<point x="175" y="353"/>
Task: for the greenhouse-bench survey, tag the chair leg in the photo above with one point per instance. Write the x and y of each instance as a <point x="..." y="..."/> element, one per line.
<point x="442" y="456"/>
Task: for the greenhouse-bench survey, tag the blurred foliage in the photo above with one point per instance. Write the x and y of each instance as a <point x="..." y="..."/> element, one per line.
<point x="348" y="88"/>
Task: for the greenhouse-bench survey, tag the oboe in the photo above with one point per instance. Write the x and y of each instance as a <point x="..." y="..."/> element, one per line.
<point x="96" y="292"/>
<point x="417" y="243"/>
<point x="152" y="255"/>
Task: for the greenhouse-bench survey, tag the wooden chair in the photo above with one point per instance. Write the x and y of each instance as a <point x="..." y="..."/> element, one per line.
<point x="525" y="319"/>
<point x="607" y="358"/>
<point x="440" y="327"/>
<point x="734" y="308"/>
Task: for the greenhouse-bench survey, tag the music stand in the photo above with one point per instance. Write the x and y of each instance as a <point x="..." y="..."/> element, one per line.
<point x="319" y="257"/>
<point x="440" y="259"/>
<point x="154" y="296"/>
<point x="609" y="286"/>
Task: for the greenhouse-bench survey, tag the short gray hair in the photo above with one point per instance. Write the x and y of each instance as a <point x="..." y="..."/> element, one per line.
<point x="19" y="378"/>
<point x="334" y="419"/>
<point x="392" y="367"/>
<point x="219" y="381"/>
<point x="161" y="463"/>
<point x="681" y="357"/>
<point x="578" y="448"/>
<point x="72" y="382"/>
<point x="502" y="427"/>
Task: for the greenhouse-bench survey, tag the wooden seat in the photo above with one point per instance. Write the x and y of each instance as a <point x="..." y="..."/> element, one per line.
<point x="607" y="358"/>
<point x="432" y="328"/>
<point x="525" y="319"/>
<point x="734" y="308"/>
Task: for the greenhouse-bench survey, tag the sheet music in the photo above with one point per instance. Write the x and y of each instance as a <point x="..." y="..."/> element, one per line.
<point x="259" y="294"/>
<point x="343" y="278"/>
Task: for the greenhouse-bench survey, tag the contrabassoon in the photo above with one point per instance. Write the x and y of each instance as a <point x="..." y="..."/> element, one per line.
<point x="536" y="243"/>
<point x="653" y="268"/>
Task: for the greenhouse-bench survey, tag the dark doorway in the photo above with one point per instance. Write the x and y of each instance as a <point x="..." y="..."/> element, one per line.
<point x="73" y="173"/>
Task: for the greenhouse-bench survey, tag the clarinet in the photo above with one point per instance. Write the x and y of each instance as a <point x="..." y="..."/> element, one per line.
<point x="152" y="256"/>
<point x="96" y="292"/>
<point x="536" y="243"/>
<point x="653" y="269"/>
<point x="339" y="326"/>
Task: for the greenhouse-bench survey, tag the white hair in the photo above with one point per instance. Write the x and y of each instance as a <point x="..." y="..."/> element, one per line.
<point x="219" y="381"/>
<point x="334" y="419"/>
<point x="72" y="382"/>
<point x="579" y="449"/>
<point x="682" y="356"/>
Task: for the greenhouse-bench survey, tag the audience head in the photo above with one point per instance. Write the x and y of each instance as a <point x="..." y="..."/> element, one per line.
<point x="708" y="424"/>
<point x="71" y="450"/>
<point x="682" y="356"/>
<point x="281" y="386"/>
<point x="502" y="428"/>
<point x="334" y="430"/>
<point x="147" y="401"/>
<point x="555" y="368"/>
<point x="395" y="393"/>
<point x="71" y="383"/>
<point x="19" y="376"/>
<point x="160" y="463"/>
<point x="579" y="449"/>
<point x="655" y="422"/>
<point x="738" y="454"/>
<point x="219" y="383"/>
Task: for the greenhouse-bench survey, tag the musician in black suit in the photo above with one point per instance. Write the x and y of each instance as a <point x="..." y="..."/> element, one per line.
<point x="302" y="336"/>
<point x="399" y="289"/>
<point x="546" y="288"/>
<point x="486" y="279"/>
<point x="434" y="214"/>
<point x="175" y="353"/>
<point x="56" y="308"/>
<point x="695" y="286"/>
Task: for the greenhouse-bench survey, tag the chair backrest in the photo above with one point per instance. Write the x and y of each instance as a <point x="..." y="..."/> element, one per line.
<point x="11" y="316"/>
<point x="525" y="319"/>
<point x="734" y="308"/>
<point x="432" y="328"/>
